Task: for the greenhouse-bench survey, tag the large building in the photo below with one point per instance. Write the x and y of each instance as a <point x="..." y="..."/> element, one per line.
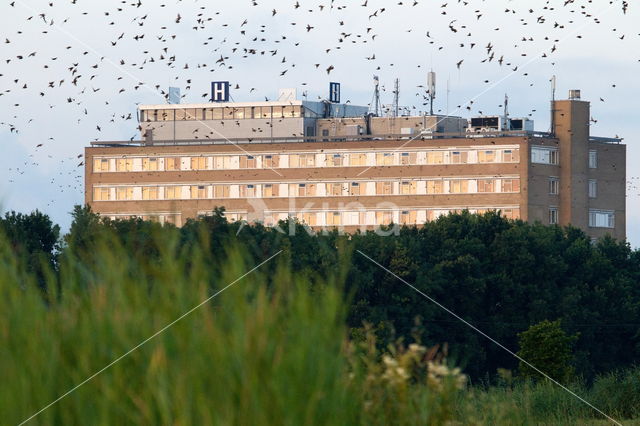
<point x="334" y="165"/>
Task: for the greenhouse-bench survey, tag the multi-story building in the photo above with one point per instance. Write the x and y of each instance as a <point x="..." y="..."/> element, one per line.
<point x="335" y="165"/>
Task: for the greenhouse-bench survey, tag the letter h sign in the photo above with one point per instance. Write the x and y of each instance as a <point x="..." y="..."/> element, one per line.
<point x="220" y="91"/>
<point x="334" y="93"/>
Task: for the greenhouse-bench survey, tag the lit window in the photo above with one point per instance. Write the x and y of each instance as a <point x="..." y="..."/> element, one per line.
<point x="221" y="191"/>
<point x="593" y="188"/>
<point x="408" y="158"/>
<point x="510" y="185"/>
<point x="486" y="185"/>
<point x="198" y="163"/>
<point x="384" y="188"/>
<point x="334" y="160"/>
<point x="270" y="190"/>
<point x="150" y="192"/>
<point x="302" y="160"/>
<point x="408" y="217"/>
<point x="124" y="193"/>
<point x="101" y="194"/>
<point x="435" y="187"/>
<point x="384" y="218"/>
<point x="172" y="163"/>
<point x="384" y="159"/>
<point x="407" y="188"/>
<point x="309" y="218"/>
<point x="124" y="164"/>
<point x="334" y="189"/>
<point x="247" y="162"/>
<point x="222" y="162"/>
<point x="100" y="165"/>
<point x="198" y="191"/>
<point x="511" y="155"/>
<point x="334" y="218"/>
<point x="270" y="161"/>
<point x="172" y="192"/>
<point x="458" y="157"/>
<point x="459" y="186"/>
<point x="359" y="159"/>
<point x="354" y="188"/>
<point x="435" y="157"/>
<point x="486" y="156"/>
<point x="150" y="164"/>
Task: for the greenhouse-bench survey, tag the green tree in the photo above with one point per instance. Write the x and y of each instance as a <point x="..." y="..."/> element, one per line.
<point x="547" y="347"/>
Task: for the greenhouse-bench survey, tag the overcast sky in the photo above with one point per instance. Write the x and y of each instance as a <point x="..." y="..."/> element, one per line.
<point x="74" y="71"/>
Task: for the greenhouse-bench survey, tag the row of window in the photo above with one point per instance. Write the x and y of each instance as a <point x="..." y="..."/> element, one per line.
<point x="267" y="190"/>
<point x="367" y="217"/>
<point x="597" y="218"/>
<point x="548" y="155"/>
<point x="268" y="161"/>
<point x="554" y="186"/>
<point x="223" y="113"/>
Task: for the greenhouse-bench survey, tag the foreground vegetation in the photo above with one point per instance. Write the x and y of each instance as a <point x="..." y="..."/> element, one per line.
<point x="317" y="335"/>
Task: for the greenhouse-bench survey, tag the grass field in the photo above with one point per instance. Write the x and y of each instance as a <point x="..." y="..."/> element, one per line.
<point x="270" y="349"/>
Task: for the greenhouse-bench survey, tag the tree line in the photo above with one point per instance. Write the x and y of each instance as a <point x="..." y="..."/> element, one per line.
<point x="503" y="276"/>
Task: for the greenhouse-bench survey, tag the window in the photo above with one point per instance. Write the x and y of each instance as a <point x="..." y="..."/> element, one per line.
<point x="354" y="188"/>
<point x="100" y="165"/>
<point x="124" y="193"/>
<point x="198" y="191"/>
<point x="221" y="191"/>
<point x="101" y="194"/>
<point x="593" y="159"/>
<point x="486" y="156"/>
<point x="172" y="163"/>
<point x="544" y="155"/>
<point x="553" y="216"/>
<point x="435" y="187"/>
<point x="198" y="163"/>
<point x="222" y="162"/>
<point x="593" y="188"/>
<point x="247" y="162"/>
<point x="334" y="218"/>
<point x="306" y="189"/>
<point x="309" y="218"/>
<point x="270" y="190"/>
<point x="302" y="160"/>
<point x="554" y="184"/>
<point x="334" y="189"/>
<point x="511" y="155"/>
<point x="335" y="160"/>
<point x="270" y="161"/>
<point x="384" y="188"/>
<point x="384" y="218"/>
<point x="459" y="186"/>
<point x="172" y="192"/>
<point x="486" y="185"/>
<point x="359" y="159"/>
<point x="510" y="185"/>
<point x="247" y="191"/>
<point x="459" y="157"/>
<point x="408" y="217"/>
<point x="384" y="159"/>
<point x="150" y="164"/>
<point x="407" y="188"/>
<point x="510" y="213"/>
<point x="150" y="192"/>
<point x="435" y="157"/>
<point x="601" y="219"/>
<point x="407" y="158"/>
<point x="124" y="164"/>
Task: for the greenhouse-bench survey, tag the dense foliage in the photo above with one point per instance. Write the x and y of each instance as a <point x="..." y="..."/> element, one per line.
<point x="502" y="276"/>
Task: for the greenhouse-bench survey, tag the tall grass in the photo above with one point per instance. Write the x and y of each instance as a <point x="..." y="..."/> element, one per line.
<point x="271" y="349"/>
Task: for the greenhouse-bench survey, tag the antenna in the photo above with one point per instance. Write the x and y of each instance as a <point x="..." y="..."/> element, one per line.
<point x="396" y="97"/>
<point x="506" y="111"/>
<point x="431" y="85"/>
<point x="553" y="105"/>
<point x="375" y="103"/>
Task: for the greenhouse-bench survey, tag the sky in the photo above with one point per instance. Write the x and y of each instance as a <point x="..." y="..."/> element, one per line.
<point x="74" y="71"/>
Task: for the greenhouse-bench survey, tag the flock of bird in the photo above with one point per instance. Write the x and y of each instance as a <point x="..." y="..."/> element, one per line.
<point x="57" y="63"/>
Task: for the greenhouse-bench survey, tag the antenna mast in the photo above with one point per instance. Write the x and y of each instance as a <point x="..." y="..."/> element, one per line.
<point x="553" y="105"/>
<point x="376" y="106"/>
<point x="396" y="97"/>
<point x="431" y="89"/>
